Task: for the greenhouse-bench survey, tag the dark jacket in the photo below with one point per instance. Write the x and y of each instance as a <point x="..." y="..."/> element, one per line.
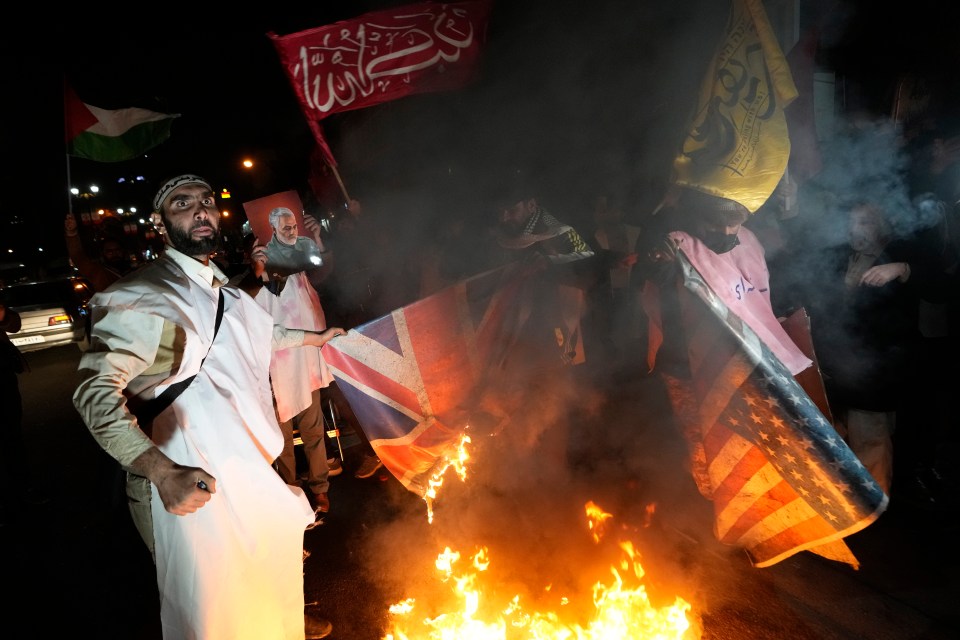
<point x="865" y="338"/>
<point x="11" y="360"/>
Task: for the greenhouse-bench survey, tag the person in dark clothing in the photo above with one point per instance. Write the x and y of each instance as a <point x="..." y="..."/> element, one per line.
<point x="864" y="322"/>
<point x="13" y="466"/>
<point x="926" y="466"/>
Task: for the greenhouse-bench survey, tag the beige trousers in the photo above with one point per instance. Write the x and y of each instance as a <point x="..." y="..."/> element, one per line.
<point x="870" y="436"/>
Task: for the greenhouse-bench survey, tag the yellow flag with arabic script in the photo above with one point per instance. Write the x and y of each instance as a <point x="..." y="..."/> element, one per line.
<point x="738" y="145"/>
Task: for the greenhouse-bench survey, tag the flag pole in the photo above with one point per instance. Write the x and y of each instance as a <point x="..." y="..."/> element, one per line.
<point x="670" y="198"/>
<point x="66" y="155"/>
<point x="335" y="430"/>
<point x="327" y="155"/>
<point x="343" y="188"/>
<point x="69" y="195"/>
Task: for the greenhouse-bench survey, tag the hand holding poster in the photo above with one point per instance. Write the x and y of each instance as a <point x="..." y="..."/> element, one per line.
<point x="290" y="246"/>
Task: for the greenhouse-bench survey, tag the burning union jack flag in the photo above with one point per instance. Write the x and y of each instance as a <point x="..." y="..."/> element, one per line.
<point x="417" y="378"/>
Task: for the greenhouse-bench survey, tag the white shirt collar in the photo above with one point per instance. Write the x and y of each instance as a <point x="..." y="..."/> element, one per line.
<point x="209" y="273"/>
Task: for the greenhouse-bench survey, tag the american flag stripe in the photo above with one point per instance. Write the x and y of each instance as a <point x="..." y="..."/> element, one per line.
<point x="780" y="478"/>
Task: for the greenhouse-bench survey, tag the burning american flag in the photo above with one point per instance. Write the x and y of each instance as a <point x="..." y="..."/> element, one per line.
<point x="780" y="477"/>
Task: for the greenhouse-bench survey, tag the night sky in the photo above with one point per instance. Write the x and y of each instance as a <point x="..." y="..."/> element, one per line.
<point x="586" y="95"/>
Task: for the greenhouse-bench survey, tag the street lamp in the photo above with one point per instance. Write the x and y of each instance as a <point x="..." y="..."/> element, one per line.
<point x="94" y="189"/>
<point x="86" y="196"/>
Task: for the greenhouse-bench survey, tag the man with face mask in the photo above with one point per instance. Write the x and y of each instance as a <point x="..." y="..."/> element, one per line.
<point x="705" y="232"/>
<point x="709" y="231"/>
<point x="225" y="531"/>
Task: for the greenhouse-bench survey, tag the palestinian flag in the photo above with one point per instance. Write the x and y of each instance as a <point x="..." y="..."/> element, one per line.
<point x="111" y="136"/>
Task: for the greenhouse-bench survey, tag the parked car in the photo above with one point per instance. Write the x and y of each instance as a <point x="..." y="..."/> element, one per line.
<point x="11" y="272"/>
<point x="52" y="312"/>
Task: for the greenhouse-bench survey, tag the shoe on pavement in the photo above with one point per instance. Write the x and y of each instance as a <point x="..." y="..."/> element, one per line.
<point x="368" y="467"/>
<point x="316" y="627"/>
<point x="321" y="503"/>
<point x="336" y="467"/>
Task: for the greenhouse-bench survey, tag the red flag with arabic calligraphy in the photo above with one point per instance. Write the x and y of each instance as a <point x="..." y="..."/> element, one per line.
<point x="383" y="56"/>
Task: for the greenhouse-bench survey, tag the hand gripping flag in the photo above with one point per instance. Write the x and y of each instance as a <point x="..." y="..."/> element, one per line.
<point x="780" y="477"/>
<point x="111" y="136"/>
<point x="382" y="56"/>
<point x="738" y="145"/>
<point x="420" y="377"/>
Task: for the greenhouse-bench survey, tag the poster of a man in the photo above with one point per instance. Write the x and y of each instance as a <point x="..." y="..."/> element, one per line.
<point x="276" y="221"/>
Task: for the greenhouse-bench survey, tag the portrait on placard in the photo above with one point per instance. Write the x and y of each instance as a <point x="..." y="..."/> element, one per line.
<point x="278" y="223"/>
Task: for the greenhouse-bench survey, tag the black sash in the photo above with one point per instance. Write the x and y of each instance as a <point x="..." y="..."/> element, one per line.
<point x="150" y="409"/>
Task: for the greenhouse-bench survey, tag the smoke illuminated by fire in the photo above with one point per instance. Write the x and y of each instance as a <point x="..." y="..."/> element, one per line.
<point x="467" y="607"/>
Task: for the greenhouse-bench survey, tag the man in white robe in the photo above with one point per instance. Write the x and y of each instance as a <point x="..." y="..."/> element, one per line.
<point x="298" y="374"/>
<point x="225" y="531"/>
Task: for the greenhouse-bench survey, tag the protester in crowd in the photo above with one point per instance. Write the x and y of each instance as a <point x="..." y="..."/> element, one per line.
<point x="556" y="266"/>
<point x="934" y="179"/>
<point x="176" y="388"/>
<point x="349" y="294"/>
<point x="708" y="230"/>
<point x="112" y="264"/>
<point x="616" y="306"/>
<point x="528" y="233"/>
<point x="13" y="466"/>
<point x="864" y="313"/>
<point x="935" y="164"/>
<point x="368" y="463"/>
<point x="925" y="464"/>
<point x="297" y="374"/>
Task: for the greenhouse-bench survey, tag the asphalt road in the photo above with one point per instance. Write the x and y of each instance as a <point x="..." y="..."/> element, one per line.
<point x="75" y="567"/>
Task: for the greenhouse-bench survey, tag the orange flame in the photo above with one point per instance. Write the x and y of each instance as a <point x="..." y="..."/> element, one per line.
<point x="596" y="520"/>
<point x="459" y="464"/>
<point x="621" y="612"/>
